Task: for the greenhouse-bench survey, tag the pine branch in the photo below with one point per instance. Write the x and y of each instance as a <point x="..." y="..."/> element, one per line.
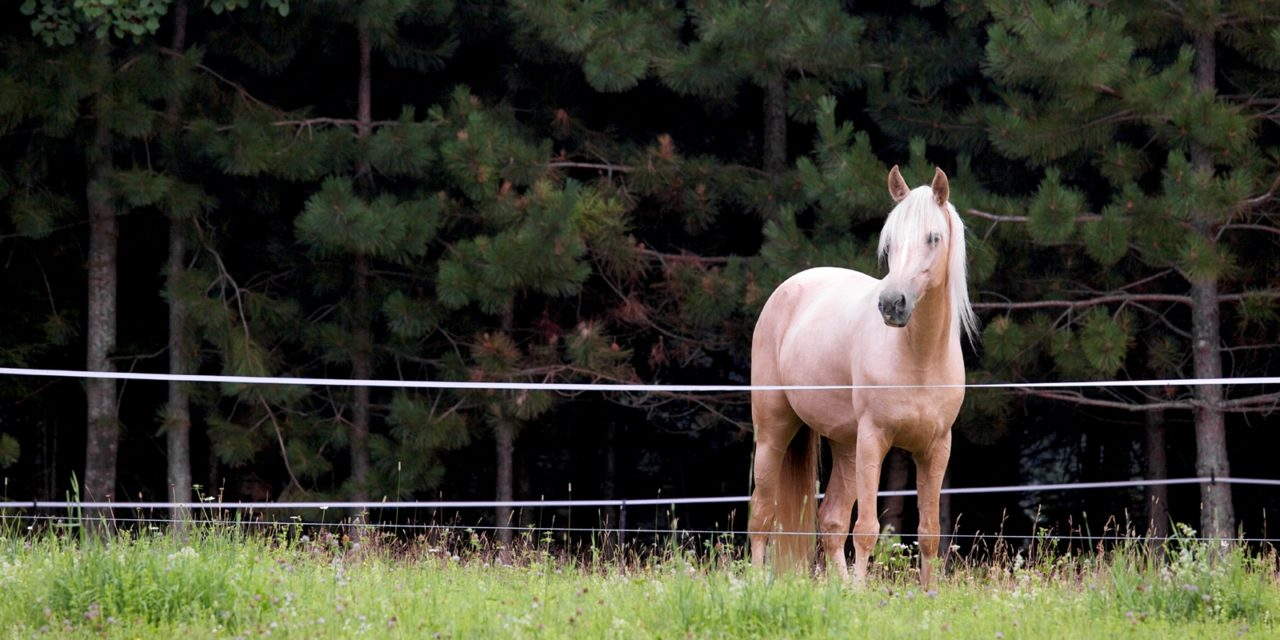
<point x="284" y="453"/>
<point x="1085" y="303"/>
<point x="1261" y="199"/>
<point x="663" y="258"/>
<point x="1265" y="403"/>
<point x="995" y="217"/>
<point x="243" y="92"/>
<point x="1241" y="297"/>
<point x="1078" y="398"/>
<point x="602" y="166"/>
<point x="1243" y="226"/>
<point x="1252" y="404"/>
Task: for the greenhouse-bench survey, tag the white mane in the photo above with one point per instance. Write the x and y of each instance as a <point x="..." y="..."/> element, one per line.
<point x="915" y="217"/>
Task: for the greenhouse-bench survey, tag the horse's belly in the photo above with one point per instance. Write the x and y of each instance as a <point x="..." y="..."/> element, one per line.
<point x="829" y="413"/>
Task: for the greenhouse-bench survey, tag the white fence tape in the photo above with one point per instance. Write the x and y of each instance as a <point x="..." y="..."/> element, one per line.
<point x="576" y="386"/>
<point x="556" y="504"/>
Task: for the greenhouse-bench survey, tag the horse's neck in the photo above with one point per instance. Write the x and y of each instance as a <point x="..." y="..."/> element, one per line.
<point x="928" y="335"/>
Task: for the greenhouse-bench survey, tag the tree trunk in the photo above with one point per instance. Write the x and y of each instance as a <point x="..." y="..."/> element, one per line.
<point x="775" y="125"/>
<point x="504" y="449"/>
<point x="178" y="412"/>
<point x="1217" y="519"/>
<point x="504" y="440"/>
<point x="362" y="355"/>
<point x="103" y="430"/>
<point x="1157" y="496"/>
<point x="361" y="369"/>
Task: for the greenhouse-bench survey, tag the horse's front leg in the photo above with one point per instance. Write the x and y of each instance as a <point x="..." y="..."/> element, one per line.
<point x="872" y="447"/>
<point x="931" y="466"/>
<point x="837" y="506"/>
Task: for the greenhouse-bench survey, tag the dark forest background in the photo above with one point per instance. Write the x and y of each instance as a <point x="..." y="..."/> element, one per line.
<point x="595" y="191"/>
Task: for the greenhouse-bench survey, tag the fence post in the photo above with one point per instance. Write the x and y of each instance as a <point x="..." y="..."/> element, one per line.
<point x="622" y="525"/>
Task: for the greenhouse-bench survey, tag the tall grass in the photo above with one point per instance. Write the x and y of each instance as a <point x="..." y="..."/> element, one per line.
<point x="283" y="581"/>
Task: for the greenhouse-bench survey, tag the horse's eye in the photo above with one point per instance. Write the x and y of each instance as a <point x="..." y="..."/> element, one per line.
<point x="934" y="238"/>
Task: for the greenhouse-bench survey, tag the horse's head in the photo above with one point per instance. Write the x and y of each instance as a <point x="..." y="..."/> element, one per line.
<point x="923" y="245"/>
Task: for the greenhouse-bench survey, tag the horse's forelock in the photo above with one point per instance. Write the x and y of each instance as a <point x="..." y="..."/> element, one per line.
<point x="909" y="222"/>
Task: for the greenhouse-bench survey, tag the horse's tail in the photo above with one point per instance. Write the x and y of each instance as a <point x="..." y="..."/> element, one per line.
<point x="797" y="508"/>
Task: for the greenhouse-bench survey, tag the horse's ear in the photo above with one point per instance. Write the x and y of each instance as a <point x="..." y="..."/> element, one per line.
<point x="897" y="186"/>
<point x="941" y="190"/>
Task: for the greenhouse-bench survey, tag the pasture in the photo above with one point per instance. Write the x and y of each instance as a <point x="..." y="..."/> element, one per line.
<point x="285" y="581"/>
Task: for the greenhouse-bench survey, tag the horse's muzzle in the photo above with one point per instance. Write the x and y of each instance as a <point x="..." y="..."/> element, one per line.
<point x="895" y="308"/>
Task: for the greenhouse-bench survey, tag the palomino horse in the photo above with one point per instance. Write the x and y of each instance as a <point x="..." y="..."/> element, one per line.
<point x="837" y="327"/>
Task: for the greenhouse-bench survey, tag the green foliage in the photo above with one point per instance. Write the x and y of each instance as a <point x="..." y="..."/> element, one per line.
<point x="257" y="146"/>
<point x="708" y="296"/>
<point x="734" y="42"/>
<point x="336" y="220"/>
<point x="36" y="214"/>
<point x="58" y="22"/>
<point x="140" y="582"/>
<point x="1200" y="581"/>
<point x="219" y="6"/>
<point x="1107" y="240"/>
<point x="490" y="269"/>
<point x="134" y="188"/>
<point x="409" y="317"/>
<point x="1202" y="259"/>
<point x="1104" y="341"/>
<point x="288" y="579"/>
<point x="1003" y="342"/>
<point x="421" y="428"/>
<point x="1257" y="314"/>
<point x="10" y="450"/>
<point x="1066" y="49"/>
<point x="590" y="349"/>
<point x="406" y="149"/>
<point x="1051" y="218"/>
<point x="1122" y="164"/>
<point x="235" y="445"/>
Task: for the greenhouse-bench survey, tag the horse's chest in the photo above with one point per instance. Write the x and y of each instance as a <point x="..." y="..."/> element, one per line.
<point x="911" y="416"/>
<point x="908" y="411"/>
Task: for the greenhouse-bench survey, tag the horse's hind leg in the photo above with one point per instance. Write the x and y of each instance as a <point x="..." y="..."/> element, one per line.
<point x="931" y="466"/>
<point x="775" y="426"/>
<point x="837" y="506"/>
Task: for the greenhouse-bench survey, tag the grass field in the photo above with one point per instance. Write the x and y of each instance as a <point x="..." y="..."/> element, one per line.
<point x="287" y="583"/>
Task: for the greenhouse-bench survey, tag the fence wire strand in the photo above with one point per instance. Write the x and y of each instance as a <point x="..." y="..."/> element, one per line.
<point x="537" y="531"/>
<point x="230" y="513"/>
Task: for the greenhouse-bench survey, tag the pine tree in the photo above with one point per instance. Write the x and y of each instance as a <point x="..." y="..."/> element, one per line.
<point x="113" y="101"/>
<point x="1129" y="113"/>
<point x="389" y="227"/>
<point x="474" y="235"/>
<point x="361" y="209"/>
<point x="793" y="51"/>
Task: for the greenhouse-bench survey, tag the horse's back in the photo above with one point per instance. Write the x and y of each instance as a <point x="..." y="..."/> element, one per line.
<point x="814" y="307"/>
